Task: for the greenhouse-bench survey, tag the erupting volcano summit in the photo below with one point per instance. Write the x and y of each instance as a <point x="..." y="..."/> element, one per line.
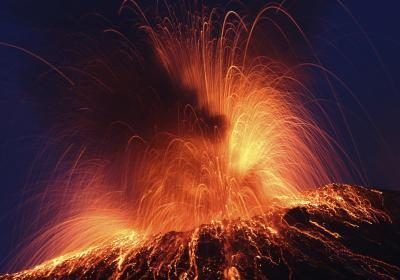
<point x="335" y="232"/>
<point x="209" y="169"/>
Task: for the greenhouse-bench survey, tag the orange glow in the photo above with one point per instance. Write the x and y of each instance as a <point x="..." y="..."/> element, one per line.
<point x="266" y="145"/>
<point x="263" y="150"/>
<point x="274" y="230"/>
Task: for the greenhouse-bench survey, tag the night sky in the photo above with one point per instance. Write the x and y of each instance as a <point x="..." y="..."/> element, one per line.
<point x="360" y="43"/>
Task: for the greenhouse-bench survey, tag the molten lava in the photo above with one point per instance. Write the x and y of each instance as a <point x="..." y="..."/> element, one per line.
<point x="257" y="143"/>
<point x="317" y="236"/>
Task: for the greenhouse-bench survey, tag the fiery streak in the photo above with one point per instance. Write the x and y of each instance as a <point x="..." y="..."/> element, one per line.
<point x="264" y="145"/>
<point x="256" y="153"/>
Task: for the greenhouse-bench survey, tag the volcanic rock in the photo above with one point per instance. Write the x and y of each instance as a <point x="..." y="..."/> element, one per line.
<point x="335" y="232"/>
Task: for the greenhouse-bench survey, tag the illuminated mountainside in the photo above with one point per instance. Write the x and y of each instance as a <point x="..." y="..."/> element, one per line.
<point x="335" y="232"/>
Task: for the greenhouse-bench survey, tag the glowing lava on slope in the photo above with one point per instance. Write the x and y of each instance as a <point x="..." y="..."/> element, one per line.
<point x="336" y="232"/>
<point x="225" y="190"/>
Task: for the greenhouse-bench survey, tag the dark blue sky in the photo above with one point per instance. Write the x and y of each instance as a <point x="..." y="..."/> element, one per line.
<point x="366" y="59"/>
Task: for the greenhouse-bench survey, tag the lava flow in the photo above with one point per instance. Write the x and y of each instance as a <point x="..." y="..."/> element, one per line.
<point x="336" y="232"/>
<point x="223" y="189"/>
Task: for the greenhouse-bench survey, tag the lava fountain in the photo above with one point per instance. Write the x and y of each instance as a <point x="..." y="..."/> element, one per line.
<point x="244" y="145"/>
<point x="247" y="141"/>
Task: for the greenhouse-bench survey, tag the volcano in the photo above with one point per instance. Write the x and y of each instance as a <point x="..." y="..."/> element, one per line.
<point x="335" y="232"/>
<point x="197" y="159"/>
